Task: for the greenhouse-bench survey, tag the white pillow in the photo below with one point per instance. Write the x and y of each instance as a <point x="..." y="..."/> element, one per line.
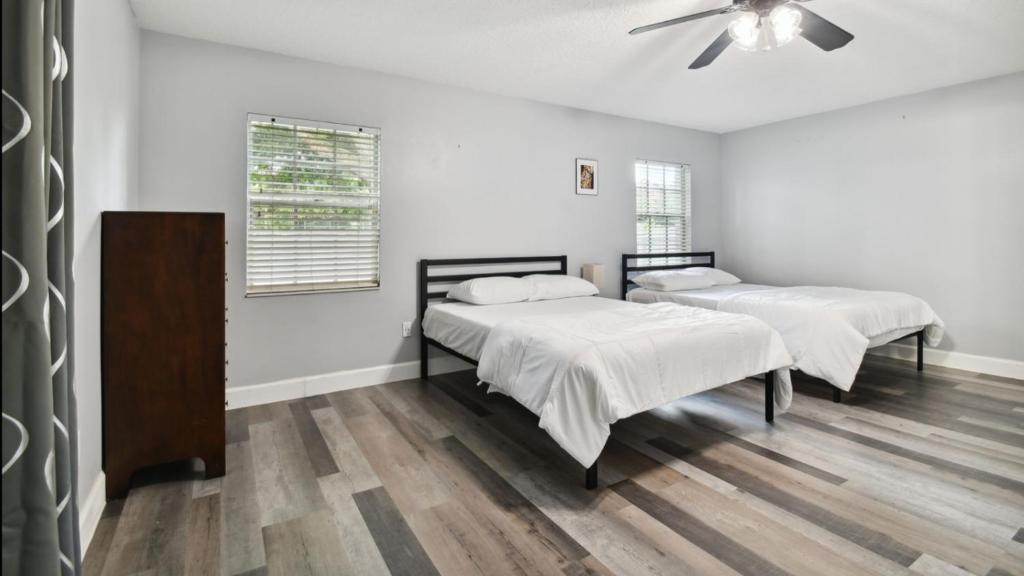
<point x="495" y="290"/>
<point x="554" y="286"/>
<point x="719" y="277"/>
<point x="672" y="280"/>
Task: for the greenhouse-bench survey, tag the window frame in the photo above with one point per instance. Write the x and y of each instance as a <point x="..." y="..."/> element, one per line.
<point x="686" y="216"/>
<point x="305" y="122"/>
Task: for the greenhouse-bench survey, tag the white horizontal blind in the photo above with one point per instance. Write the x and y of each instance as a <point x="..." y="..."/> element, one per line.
<point x="313" y="198"/>
<point x="662" y="207"/>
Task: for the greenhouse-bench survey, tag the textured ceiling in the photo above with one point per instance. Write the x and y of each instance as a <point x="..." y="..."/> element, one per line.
<point x="577" y="52"/>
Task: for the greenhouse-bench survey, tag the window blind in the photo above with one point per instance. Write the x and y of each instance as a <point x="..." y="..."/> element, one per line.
<point x="313" y="206"/>
<point x="662" y="207"/>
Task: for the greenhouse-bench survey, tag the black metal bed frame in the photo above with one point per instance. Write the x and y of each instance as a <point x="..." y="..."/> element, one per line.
<point x="627" y="270"/>
<point x="424" y="296"/>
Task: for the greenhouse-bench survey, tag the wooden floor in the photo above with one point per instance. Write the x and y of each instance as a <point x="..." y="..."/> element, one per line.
<point x="912" y="474"/>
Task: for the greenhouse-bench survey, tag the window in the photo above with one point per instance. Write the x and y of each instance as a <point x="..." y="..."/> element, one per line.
<point x="313" y="205"/>
<point x="662" y="207"/>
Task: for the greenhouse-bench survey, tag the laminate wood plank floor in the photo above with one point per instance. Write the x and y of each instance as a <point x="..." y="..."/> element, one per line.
<point x="914" y="473"/>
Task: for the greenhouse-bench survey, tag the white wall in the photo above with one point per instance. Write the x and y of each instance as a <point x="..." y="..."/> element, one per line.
<point x="105" y="63"/>
<point x="464" y="174"/>
<point x="922" y="194"/>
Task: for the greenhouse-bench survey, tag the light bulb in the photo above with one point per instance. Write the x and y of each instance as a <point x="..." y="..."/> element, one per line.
<point x="785" y="24"/>
<point x="745" y="29"/>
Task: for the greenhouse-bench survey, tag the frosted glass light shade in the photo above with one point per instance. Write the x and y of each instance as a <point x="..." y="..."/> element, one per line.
<point x="785" y="23"/>
<point x="745" y="29"/>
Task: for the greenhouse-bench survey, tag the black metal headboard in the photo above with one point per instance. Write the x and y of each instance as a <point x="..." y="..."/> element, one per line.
<point x="425" y="280"/>
<point x="707" y="257"/>
<point x="424" y="295"/>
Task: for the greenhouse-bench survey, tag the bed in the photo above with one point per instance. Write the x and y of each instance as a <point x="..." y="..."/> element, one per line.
<point x="582" y="363"/>
<point x="826" y="329"/>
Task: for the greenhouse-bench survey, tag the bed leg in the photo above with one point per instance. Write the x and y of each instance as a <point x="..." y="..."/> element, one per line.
<point x="769" y="396"/>
<point x="591" y="480"/>
<point x="920" y="351"/>
<point x="837" y="395"/>
<point x="424" y="375"/>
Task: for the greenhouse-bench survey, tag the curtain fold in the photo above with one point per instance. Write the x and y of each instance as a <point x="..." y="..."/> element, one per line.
<point x="40" y="500"/>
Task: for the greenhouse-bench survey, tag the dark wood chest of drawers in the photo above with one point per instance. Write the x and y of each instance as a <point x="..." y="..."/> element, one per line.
<point x="163" y="342"/>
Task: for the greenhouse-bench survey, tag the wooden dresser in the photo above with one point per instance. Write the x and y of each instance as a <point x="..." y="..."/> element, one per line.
<point x="162" y="334"/>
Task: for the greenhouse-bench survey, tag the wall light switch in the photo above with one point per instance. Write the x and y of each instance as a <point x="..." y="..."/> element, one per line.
<point x="406" y="328"/>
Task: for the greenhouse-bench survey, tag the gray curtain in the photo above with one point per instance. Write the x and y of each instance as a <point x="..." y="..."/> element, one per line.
<point x="40" y="451"/>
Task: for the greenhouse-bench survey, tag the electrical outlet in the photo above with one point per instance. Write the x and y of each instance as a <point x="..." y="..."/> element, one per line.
<point x="406" y="328"/>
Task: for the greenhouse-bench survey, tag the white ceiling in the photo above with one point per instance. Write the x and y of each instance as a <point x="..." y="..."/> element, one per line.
<point x="577" y="52"/>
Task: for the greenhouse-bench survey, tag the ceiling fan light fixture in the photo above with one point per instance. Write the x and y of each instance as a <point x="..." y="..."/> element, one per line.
<point x="753" y="32"/>
<point x="761" y="25"/>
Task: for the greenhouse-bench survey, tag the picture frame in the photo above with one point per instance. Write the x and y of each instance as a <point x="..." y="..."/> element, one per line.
<point x="586" y="177"/>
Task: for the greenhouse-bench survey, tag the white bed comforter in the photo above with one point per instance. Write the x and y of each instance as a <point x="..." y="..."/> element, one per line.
<point x="828" y="329"/>
<point x="582" y="372"/>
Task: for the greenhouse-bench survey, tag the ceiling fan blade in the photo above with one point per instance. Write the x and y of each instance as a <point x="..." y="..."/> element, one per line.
<point x="708" y="55"/>
<point x="821" y="32"/>
<point x="681" y="19"/>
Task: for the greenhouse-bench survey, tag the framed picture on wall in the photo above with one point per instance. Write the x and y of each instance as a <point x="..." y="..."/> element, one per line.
<point x="586" y="177"/>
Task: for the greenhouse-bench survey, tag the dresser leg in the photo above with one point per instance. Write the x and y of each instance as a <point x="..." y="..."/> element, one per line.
<point x="117" y="483"/>
<point x="214" y="464"/>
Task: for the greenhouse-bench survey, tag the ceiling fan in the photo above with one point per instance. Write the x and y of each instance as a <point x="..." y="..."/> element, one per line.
<point x="763" y="25"/>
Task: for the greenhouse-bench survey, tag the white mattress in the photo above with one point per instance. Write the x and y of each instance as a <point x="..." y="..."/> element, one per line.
<point x="582" y="372"/>
<point x="827" y="329"/>
<point x="710" y="297"/>
<point x="883" y="339"/>
<point x="464" y="327"/>
<point x="703" y="298"/>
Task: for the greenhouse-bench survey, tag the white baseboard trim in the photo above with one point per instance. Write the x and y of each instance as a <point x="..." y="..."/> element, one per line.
<point x="292" y="388"/>
<point x="91" y="510"/>
<point x="959" y="360"/>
